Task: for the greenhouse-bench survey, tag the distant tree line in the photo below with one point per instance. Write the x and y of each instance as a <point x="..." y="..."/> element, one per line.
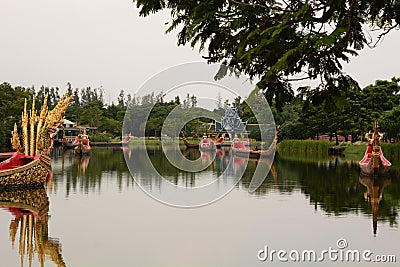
<point x="308" y="115"/>
<point x="88" y="108"/>
<point x="350" y="113"/>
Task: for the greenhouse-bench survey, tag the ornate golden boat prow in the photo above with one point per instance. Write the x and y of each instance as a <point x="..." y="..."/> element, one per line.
<point x="30" y="164"/>
<point x="374" y="161"/>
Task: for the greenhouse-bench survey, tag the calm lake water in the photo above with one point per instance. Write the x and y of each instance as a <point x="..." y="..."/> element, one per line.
<point x="94" y="214"/>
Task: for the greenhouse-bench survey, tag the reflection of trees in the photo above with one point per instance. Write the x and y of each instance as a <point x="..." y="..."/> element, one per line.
<point x="30" y="208"/>
<point x="81" y="173"/>
<point x="142" y="170"/>
<point x="334" y="186"/>
<point x="330" y="183"/>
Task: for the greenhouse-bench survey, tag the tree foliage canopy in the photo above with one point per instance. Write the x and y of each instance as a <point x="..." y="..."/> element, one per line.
<point x="275" y="41"/>
<point x="380" y="101"/>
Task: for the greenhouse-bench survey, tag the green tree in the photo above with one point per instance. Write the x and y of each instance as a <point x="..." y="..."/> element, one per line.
<point x="121" y="99"/>
<point x="11" y="107"/>
<point x="92" y="113"/>
<point x="275" y="40"/>
<point x="390" y="124"/>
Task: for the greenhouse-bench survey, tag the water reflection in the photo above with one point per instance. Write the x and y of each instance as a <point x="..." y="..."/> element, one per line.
<point x="338" y="187"/>
<point x="86" y="173"/>
<point x="331" y="184"/>
<point x="373" y="194"/>
<point x="82" y="162"/>
<point x="29" y="228"/>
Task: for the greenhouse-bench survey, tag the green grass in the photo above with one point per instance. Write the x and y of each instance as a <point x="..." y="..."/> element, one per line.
<point x="391" y="152"/>
<point x="305" y="146"/>
<point x="100" y="137"/>
<point x="355" y="152"/>
<point x="154" y="142"/>
<point x="304" y="156"/>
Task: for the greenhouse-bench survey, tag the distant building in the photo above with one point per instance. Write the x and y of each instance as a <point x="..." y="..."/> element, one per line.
<point x="231" y="125"/>
<point x="68" y="124"/>
<point x="71" y="131"/>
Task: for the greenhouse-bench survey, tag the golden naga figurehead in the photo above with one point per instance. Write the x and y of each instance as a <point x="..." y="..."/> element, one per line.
<point x="55" y="117"/>
<point x="46" y="125"/>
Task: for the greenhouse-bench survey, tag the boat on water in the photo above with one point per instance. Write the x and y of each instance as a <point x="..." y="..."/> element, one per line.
<point x="124" y="142"/>
<point x="81" y="143"/>
<point x="374" y="162"/>
<point x="187" y="143"/>
<point x="242" y="149"/>
<point x="29" y="165"/>
<point x="218" y="143"/>
<point x="206" y="143"/>
<point x="24" y="171"/>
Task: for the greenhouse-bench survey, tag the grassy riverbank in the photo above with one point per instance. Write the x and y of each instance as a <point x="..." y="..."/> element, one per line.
<point x="356" y="152"/>
<point x="304" y="146"/>
<point x="155" y="142"/>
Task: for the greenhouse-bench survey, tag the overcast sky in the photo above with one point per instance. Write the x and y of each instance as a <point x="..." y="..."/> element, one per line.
<point x="105" y="43"/>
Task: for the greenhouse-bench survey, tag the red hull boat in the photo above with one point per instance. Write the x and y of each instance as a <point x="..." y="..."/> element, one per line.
<point x="24" y="171"/>
<point x="374" y="161"/>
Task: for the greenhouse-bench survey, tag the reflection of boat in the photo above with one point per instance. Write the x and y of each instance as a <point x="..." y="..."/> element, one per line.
<point x="29" y="166"/>
<point x="81" y="143"/>
<point x="126" y="150"/>
<point x="30" y="209"/>
<point x="207" y="144"/>
<point x="25" y="200"/>
<point x="191" y="153"/>
<point x="83" y="162"/>
<point x="373" y="194"/>
<point x="67" y="145"/>
<point x="374" y="161"/>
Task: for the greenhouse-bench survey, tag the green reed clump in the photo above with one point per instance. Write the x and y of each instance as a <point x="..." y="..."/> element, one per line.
<point x="391" y="150"/>
<point x="355" y="152"/>
<point x="305" y="146"/>
<point x="303" y="156"/>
